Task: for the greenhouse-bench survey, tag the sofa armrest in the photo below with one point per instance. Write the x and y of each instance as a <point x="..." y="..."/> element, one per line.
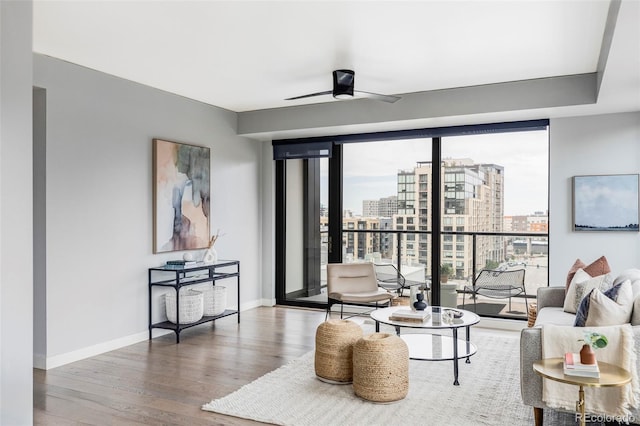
<point x="530" y="351"/>
<point x="550" y="296"/>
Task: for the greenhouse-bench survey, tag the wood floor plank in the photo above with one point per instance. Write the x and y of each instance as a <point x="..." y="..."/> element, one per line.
<point x="163" y="383"/>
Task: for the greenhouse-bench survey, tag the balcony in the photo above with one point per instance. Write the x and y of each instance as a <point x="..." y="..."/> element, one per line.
<point x="474" y="251"/>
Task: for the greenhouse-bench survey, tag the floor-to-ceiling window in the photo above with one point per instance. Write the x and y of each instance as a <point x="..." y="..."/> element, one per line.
<point x="382" y="198"/>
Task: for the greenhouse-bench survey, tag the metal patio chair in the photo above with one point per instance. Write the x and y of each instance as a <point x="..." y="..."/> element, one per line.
<point x="497" y="285"/>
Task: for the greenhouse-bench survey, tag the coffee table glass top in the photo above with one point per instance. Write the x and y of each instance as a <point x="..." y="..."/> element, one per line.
<point x="433" y="322"/>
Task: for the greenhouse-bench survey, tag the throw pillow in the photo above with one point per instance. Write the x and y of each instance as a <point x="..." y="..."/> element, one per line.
<point x="578" y="264"/>
<point x="581" y="284"/>
<point x="600" y="266"/>
<point x="613" y="307"/>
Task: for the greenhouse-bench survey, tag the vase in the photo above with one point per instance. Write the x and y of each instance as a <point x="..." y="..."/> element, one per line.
<point x="210" y="255"/>
<point x="420" y="305"/>
<point x="587" y="355"/>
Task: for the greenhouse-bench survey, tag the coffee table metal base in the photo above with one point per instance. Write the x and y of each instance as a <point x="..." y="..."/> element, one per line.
<point x="436" y="347"/>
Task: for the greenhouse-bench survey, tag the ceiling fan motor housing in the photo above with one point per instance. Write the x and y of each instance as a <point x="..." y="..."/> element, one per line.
<point x="343" y="82"/>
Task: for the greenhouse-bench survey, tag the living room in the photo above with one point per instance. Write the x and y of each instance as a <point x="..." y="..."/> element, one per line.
<point x="92" y="179"/>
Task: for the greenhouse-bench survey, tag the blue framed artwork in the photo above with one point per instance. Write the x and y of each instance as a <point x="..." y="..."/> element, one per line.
<point x="606" y="203"/>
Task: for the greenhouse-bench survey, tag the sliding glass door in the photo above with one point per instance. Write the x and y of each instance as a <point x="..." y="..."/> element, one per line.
<point x="439" y="205"/>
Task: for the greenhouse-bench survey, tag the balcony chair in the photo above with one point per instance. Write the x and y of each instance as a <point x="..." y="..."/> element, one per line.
<point x="354" y="284"/>
<point x="497" y="285"/>
<point x="390" y="278"/>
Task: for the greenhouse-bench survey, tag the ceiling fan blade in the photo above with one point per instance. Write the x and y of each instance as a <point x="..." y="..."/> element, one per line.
<point x="378" y="97"/>
<point x="326" y="92"/>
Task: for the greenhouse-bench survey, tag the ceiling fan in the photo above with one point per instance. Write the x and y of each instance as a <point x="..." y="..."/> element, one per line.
<point x="343" y="82"/>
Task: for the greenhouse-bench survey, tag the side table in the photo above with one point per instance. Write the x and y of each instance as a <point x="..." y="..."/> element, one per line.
<point x="610" y="376"/>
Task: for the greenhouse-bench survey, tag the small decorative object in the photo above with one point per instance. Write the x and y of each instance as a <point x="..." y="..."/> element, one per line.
<point x="587" y="355"/>
<point x="592" y="340"/>
<point x="188" y="257"/>
<point x="413" y="292"/>
<point x="420" y="305"/>
<point x="210" y="254"/>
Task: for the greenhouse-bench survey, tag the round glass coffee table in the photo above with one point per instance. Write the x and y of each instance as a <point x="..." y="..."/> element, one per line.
<point x="433" y="346"/>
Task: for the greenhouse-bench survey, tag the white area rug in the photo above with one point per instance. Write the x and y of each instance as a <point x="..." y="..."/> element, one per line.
<point x="489" y="393"/>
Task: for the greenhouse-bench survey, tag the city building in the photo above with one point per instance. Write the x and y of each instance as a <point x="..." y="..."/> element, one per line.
<point x="473" y="202"/>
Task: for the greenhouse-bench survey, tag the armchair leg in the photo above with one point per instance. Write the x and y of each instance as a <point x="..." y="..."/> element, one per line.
<point x="538" y="416"/>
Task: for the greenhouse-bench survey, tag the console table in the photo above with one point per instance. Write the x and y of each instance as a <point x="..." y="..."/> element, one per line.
<point x="178" y="277"/>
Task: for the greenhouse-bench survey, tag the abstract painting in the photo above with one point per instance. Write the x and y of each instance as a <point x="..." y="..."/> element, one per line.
<point x="605" y="203"/>
<point x="181" y="196"/>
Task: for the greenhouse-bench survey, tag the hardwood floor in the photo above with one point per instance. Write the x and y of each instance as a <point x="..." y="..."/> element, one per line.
<point x="164" y="383"/>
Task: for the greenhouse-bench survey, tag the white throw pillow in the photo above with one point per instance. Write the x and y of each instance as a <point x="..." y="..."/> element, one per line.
<point x="604" y="311"/>
<point x="633" y="275"/>
<point x="581" y="284"/>
<point x="635" y="315"/>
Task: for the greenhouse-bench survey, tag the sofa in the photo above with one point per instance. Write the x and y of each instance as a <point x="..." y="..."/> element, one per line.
<point x="550" y="311"/>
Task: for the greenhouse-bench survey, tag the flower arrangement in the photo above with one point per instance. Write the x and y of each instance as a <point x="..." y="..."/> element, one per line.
<point x="214" y="238"/>
<point x="595" y="340"/>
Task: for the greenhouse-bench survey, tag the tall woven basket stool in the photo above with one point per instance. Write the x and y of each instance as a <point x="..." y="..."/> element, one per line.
<point x="381" y="368"/>
<point x="334" y="350"/>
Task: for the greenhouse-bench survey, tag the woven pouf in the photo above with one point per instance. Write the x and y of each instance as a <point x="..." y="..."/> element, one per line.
<point x="334" y="350"/>
<point x="381" y="368"/>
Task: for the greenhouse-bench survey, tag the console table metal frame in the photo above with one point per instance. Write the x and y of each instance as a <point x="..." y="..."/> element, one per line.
<point x="186" y="276"/>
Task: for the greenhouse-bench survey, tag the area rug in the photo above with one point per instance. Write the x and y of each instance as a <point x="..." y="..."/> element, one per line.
<point x="489" y="393"/>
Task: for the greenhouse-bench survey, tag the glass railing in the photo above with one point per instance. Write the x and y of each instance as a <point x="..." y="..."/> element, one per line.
<point x="467" y="253"/>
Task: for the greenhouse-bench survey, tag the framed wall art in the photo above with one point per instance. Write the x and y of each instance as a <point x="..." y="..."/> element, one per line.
<point x="605" y="203"/>
<point x="181" y="196"/>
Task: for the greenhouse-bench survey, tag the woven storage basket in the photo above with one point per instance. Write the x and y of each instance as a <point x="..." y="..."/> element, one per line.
<point x="215" y="300"/>
<point x="532" y="314"/>
<point x="334" y="350"/>
<point x="191" y="306"/>
<point x="381" y="368"/>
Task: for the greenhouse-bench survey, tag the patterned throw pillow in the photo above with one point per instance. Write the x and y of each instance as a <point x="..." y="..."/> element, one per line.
<point x="613" y="307"/>
<point x="581" y="284"/>
<point x="578" y="264"/>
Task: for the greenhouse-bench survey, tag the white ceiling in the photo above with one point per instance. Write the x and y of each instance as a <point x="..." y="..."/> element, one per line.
<point x="245" y="56"/>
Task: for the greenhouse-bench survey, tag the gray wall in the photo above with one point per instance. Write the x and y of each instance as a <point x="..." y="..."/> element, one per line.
<point x="16" y="227"/>
<point x="99" y="203"/>
<point x="593" y="145"/>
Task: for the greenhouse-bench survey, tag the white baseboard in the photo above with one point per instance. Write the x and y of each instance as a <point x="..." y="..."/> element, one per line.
<point x="46" y="363"/>
<point x="100" y="348"/>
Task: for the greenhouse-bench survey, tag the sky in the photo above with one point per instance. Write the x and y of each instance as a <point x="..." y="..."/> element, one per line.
<point x="370" y="169"/>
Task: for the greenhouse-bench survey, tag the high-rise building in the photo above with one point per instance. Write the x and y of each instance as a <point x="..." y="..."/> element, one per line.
<point x="384" y="207"/>
<point x="473" y="201"/>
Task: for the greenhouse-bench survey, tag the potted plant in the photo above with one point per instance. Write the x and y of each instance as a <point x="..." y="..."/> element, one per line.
<point x="592" y="340"/>
<point x="445" y="272"/>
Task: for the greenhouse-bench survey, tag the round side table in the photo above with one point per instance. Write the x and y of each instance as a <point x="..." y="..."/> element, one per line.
<point x="610" y="376"/>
